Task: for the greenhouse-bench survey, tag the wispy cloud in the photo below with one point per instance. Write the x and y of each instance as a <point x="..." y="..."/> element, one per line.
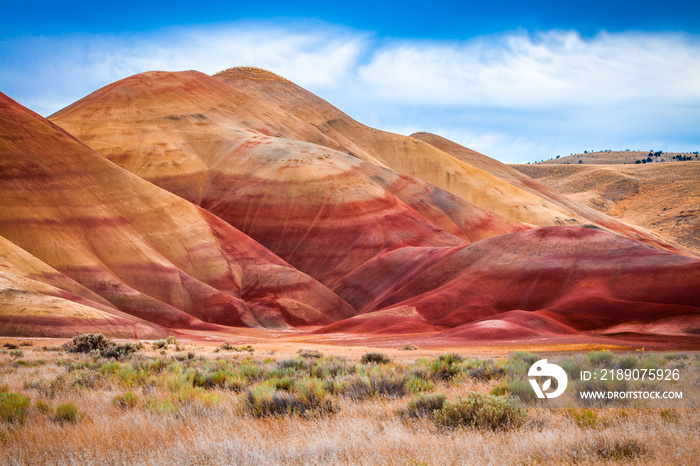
<point x="552" y="69"/>
<point x="516" y="96"/>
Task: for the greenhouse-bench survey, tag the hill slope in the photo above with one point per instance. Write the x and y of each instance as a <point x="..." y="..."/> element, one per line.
<point x="335" y="199"/>
<point x="553" y="280"/>
<point x="149" y="253"/>
<point x="324" y="211"/>
<point x="662" y="198"/>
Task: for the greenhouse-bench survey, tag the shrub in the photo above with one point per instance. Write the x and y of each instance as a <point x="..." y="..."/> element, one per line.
<point x="574" y="365"/>
<point x="423" y="406"/>
<point x="446" y="366"/>
<point x="120" y="351"/>
<point x="126" y="401"/>
<point x="481" y="411"/>
<point x="306" y="353"/>
<point x="158" y="344"/>
<point x="409" y="347"/>
<point x="627" y="362"/>
<point x="307" y="398"/>
<point x="251" y="371"/>
<point x="616" y="449"/>
<point x="87" y="342"/>
<point x="171" y="340"/>
<point x="388" y="383"/>
<point x="44" y="407"/>
<point x="13" y="407"/>
<point x="601" y="358"/>
<point x="285" y="383"/>
<point x="210" y="380"/>
<point x="109" y="368"/>
<point x="333" y="366"/>
<point x="485" y="370"/>
<point x="667" y="356"/>
<point x="451" y="358"/>
<point x="374" y="358"/>
<point x="519" y="388"/>
<point x="66" y="412"/>
<point x="670" y="415"/>
<point x="291" y="363"/>
<point x="586" y="418"/>
<point x="527" y="357"/>
<point x="416" y="384"/>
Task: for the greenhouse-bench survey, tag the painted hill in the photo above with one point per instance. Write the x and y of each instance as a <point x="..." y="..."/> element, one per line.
<point x="461" y="171"/>
<point x="324" y="211"/>
<point x="588" y="214"/>
<point x="36" y="299"/>
<point x="402" y="235"/>
<point x="405" y="155"/>
<point x="149" y="253"/>
<point x="548" y="280"/>
<point x="663" y="198"/>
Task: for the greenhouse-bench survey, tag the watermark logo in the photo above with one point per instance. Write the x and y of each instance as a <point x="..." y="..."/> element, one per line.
<point x="544" y="369"/>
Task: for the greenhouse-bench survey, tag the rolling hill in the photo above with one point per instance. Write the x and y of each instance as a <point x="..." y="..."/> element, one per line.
<point x="185" y="201"/>
<point x="663" y="198"/>
<point x="146" y="252"/>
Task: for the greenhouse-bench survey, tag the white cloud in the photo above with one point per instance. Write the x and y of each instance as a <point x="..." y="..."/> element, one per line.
<point x="552" y="69"/>
<point x="515" y="96"/>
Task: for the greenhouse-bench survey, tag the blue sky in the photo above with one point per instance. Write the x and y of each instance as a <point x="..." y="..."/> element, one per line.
<point x="519" y="81"/>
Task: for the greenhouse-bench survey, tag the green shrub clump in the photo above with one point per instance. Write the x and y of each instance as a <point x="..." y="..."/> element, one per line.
<point x="377" y="382"/>
<point x="13" y="407"/>
<point x="423" y="406"/>
<point x="374" y="358"/>
<point x="66" y="413"/>
<point x="87" y="343"/>
<point x="158" y="344"/>
<point x="126" y="401"/>
<point x="481" y="411"/>
<point x="446" y="366"/>
<point x="121" y="351"/>
<point x="97" y="344"/>
<point x="306" y="398"/>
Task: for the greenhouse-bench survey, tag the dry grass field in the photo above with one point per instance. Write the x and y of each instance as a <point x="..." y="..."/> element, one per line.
<point x="663" y="198"/>
<point x="189" y="403"/>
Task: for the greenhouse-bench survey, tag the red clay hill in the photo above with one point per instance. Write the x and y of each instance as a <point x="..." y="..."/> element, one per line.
<point x="283" y="211"/>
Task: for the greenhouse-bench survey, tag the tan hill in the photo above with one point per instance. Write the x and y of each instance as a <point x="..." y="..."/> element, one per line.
<point x="523" y="180"/>
<point x="620" y="157"/>
<point x="37" y="300"/>
<point x="147" y="252"/>
<point x="663" y="198"/>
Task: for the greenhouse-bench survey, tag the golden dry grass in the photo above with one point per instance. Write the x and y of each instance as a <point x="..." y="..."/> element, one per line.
<point x="616" y="157"/>
<point x="661" y="198"/>
<point x="214" y="429"/>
